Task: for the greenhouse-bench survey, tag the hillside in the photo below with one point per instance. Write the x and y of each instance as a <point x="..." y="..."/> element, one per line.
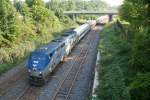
<point x="124" y="72"/>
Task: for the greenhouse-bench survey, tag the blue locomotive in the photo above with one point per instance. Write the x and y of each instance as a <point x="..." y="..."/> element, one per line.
<point x="43" y="61"/>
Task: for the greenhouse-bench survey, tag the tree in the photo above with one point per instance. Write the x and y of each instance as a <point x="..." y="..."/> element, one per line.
<point x="136" y="12"/>
<point x="30" y="3"/>
<point x="54" y="5"/>
<point x="8" y="25"/>
<point x="44" y="19"/>
<point x="18" y="5"/>
<point x="71" y="5"/>
<point x="25" y="11"/>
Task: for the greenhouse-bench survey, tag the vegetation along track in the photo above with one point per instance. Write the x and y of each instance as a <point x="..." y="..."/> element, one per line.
<point x="6" y="82"/>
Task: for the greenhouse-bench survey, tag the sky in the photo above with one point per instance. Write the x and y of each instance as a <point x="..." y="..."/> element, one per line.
<point x="111" y="2"/>
<point x="114" y="2"/>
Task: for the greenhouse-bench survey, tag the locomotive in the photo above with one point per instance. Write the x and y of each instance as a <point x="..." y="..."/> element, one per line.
<point x="43" y="60"/>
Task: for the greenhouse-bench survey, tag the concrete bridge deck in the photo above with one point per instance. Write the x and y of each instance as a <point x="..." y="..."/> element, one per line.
<point x="74" y="14"/>
<point x="91" y="12"/>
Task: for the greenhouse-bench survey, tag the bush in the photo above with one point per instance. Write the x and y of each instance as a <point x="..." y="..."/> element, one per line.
<point x="8" y="25"/>
<point x="140" y="87"/>
<point x="137" y="12"/>
<point x="114" y="49"/>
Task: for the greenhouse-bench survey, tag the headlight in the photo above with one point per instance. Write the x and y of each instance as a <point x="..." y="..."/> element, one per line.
<point x="40" y="74"/>
<point x="29" y="70"/>
<point x="34" y="68"/>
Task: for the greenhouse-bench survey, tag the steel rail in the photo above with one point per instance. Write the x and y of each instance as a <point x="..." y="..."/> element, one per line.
<point x="23" y="93"/>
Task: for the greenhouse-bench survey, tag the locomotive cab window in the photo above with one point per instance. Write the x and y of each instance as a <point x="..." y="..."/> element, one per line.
<point x="62" y="45"/>
<point x="51" y="54"/>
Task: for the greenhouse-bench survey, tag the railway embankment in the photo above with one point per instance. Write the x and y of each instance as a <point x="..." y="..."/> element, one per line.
<point x="122" y="55"/>
<point x="114" y="56"/>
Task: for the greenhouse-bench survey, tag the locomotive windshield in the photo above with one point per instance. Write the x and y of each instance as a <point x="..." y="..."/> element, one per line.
<point x="38" y="57"/>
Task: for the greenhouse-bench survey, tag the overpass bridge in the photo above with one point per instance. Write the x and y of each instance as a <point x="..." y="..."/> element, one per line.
<point x="74" y="14"/>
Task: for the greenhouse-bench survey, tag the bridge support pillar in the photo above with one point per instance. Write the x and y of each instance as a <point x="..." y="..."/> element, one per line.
<point x="74" y="17"/>
<point x="110" y="17"/>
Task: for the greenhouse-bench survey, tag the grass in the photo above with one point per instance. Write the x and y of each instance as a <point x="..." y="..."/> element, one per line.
<point x="7" y="66"/>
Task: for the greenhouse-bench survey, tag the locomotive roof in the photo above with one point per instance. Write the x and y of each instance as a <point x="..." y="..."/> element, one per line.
<point x="68" y="34"/>
<point x="70" y="31"/>
<point x="50" y="47"/>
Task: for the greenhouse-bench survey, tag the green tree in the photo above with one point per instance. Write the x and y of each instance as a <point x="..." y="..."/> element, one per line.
<point x="71" y="5"/>
<point x="8" y="25"/>
<point x="35" y="2"/>
<point x="54" y="5"/>
<point x="137" y="12"/>
<point x="140" y="87"/>
<point x="18" y="5"/>
<point x="44" y="19"/>
<point x="25" y="11"/>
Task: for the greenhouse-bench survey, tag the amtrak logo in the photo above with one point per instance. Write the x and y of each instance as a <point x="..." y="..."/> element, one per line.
<point x="34" y="68"/>
<point x="34" y="65"/>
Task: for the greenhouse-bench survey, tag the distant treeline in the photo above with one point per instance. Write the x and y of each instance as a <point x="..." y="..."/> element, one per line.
<point x="81" y="5"/>
<point x="58" y="6"/>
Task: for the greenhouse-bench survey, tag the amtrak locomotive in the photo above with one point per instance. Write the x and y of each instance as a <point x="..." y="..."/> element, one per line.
<point x="44" y="60"/>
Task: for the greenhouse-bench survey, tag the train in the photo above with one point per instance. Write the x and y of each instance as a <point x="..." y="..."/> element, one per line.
<point x="102" y="20"/>
<point x="44" y="60"/>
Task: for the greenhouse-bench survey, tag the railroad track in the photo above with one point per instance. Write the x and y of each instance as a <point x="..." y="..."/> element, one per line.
<point x="59" y="94"/>
<point x="7" y="84"/>
<point x="30" y="93"/>
<point x="5" y="89"/>
<point x="23" y="93"/>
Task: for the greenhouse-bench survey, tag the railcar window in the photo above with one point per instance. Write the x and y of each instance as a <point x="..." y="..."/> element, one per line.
<point x="58" y="48"/>
<point x="63" y="45"/>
